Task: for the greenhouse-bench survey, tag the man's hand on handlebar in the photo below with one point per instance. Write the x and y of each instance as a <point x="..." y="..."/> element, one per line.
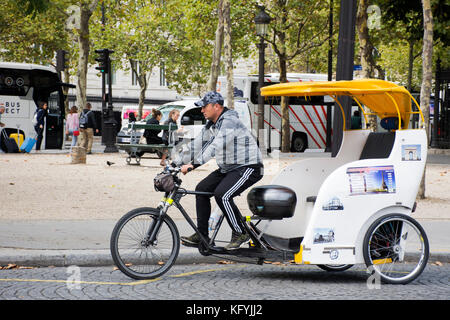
<point x="186" y="168"/>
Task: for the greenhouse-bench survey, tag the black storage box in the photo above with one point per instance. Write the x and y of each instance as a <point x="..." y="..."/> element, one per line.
<point x="272" y="202"/>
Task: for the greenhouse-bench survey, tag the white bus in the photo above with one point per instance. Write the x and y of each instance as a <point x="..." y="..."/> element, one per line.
<point x="308" y="117"/>
<point x="22" y="87"/>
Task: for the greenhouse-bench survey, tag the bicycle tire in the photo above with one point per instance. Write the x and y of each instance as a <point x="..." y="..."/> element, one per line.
<point x="132" y="256"/>
<point x="384" y="251"/>
<point x="334" y="268"/>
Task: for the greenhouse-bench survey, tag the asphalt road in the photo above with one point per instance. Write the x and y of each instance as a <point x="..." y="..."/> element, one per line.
<point x="209" y="282"/>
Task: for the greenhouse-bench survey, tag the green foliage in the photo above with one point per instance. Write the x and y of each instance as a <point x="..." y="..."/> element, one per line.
<point x="299" y="34"/>
<point x="180" y="34"/>
<point x="30" y="37"/>
<point x="32" y="7"/>
<point x="394" y="59"/>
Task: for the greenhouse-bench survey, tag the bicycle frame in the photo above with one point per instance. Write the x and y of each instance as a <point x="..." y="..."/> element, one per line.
<point x="172" y="198"/>
<point x="261" y="247"/>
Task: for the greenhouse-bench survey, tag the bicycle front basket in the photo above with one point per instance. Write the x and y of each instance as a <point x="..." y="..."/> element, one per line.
<point x="164" y="182"/>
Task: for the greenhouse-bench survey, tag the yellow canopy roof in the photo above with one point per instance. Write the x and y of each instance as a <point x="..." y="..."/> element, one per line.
<point x="384" y="98"/>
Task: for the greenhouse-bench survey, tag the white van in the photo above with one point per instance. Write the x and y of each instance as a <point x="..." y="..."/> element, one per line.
<point x="191" y="118"/>
<point x="307" y="117"/>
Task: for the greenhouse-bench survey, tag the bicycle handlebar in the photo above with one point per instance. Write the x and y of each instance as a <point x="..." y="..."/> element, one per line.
<point x="174" y="169"/>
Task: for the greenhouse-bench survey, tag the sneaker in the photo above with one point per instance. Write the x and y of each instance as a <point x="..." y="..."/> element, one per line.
<point x="237" y="239"/>
<point x="192" y="240"/>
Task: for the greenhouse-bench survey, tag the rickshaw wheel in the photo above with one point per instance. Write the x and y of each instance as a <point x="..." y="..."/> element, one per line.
<point x="334" y="267"/>
<point x="396" y="248"/>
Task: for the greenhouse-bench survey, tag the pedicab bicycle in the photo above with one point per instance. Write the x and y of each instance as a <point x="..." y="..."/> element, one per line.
<point x="350" y="209"/>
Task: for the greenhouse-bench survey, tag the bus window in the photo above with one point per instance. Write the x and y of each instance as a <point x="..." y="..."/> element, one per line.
<point x="14" y="82"/>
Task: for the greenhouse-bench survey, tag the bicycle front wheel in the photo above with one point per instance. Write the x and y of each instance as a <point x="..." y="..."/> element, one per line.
<point x="397" y="248"/>
<point x="134" y="254"/>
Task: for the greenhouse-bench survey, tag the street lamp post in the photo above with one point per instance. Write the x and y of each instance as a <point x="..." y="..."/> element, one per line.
<point x="262" y="20"/>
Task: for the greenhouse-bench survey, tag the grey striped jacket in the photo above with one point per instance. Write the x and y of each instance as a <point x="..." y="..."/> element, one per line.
<point x="228" y="140"/>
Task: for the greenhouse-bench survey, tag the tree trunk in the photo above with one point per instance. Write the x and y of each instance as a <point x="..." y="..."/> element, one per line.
<point x="83" y="55"/>
<point x="427" y="74"/>
<point x="86" y="11"/>
<point x="143" y="84"/>
<point x="410" y="63"/>
<point x="365" y="45"/>
<point x="215" y="64"/>
<point x="366" y="49"/>
<point x="285" y="128"/>
<point x="228" y="52"/>
<point x="141" y="77"/>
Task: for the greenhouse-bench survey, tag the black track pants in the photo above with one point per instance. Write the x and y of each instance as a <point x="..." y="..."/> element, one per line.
<point x="225" y="187"/>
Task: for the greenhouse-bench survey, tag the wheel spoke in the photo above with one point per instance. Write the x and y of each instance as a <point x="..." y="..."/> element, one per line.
<point x="395" y="259"/>
<point x="130" y="248"/>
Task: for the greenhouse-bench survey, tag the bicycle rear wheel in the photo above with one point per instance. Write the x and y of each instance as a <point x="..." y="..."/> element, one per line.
<point x="397" y="248"/>
<point x="131" y="251"/>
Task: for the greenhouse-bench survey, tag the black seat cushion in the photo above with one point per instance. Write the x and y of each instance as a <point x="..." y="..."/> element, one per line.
<point x="378" y="145"/>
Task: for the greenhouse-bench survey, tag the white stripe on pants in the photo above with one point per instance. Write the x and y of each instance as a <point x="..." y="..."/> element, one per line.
<point x="227" y="195"/>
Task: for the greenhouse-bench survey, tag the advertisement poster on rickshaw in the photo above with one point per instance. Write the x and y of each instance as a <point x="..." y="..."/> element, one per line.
<point x="371" y="180"/>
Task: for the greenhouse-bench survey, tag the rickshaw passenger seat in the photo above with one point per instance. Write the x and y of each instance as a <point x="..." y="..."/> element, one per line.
<point x="378" y="145"/>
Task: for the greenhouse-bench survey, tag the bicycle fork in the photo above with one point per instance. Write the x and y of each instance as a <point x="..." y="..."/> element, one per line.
<point x="156" y="224"/>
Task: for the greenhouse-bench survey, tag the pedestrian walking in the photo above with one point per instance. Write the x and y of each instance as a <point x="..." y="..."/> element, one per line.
<point x="87" y="127"/>
<point x="73" y="125"/>
<point x="2" y="110"/>
<point x="41" y="114"/>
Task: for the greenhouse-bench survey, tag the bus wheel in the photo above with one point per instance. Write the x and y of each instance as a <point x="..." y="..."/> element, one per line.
<point x="299" y="142"/>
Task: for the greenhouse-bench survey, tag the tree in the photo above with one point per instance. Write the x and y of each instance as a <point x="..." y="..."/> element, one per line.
<point x="138" y="35"/>
<point x="228" y="52"/>
<point x="217" y="50"/>
<point x="32" y="35"/>
<point x="223" y="37"/>
<point x="81" y="14"/>
<point x="404" y="19"/>
<point x="366" y="49"/>
<point x="298" y="27"/>
<point x="425" y="91"/>
<point x="194" y="64"/>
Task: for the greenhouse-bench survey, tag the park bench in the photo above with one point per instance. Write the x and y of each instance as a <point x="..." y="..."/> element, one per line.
<point x="135" y="149"/>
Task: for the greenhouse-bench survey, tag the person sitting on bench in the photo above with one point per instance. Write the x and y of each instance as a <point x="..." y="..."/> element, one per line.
<point x="151" y="135"/>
